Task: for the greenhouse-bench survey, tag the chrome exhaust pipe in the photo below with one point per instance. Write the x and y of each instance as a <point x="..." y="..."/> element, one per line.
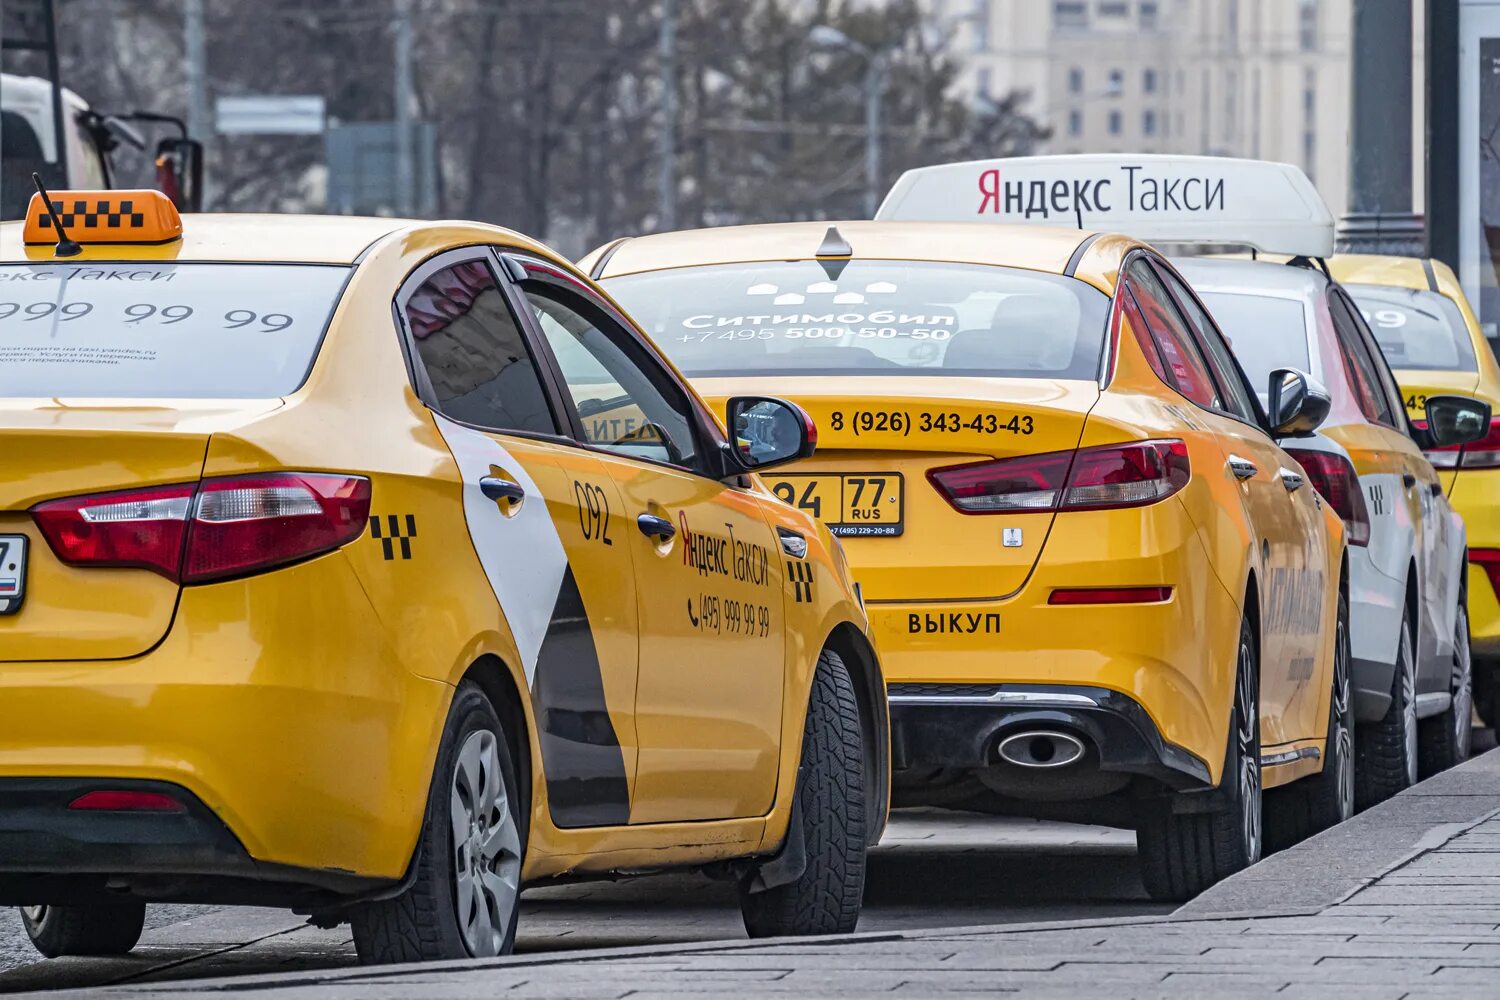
<point x="1040" y="748"/>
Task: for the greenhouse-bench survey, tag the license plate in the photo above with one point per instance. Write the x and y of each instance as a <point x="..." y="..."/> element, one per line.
<point x="12" y="573"/>
<point x="850" y="503"/>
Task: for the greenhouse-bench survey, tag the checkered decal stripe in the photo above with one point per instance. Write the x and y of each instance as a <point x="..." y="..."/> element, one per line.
<point x="801" y="576"/>
<point x="395" y="531"/>
<point x="114" y="216"/>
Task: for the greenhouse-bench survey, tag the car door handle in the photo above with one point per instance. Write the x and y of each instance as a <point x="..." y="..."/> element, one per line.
<point x="655" y="527"/>
<point x="1242" y="468"/>
<point x="1408" y="480"/>
<point x="1291" y="480"/>
<point x="502" y="489"/>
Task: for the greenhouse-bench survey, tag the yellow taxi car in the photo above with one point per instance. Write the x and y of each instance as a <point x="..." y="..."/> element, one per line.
<point x="1432" y="340"/>
<point x="1099" y="589"/>
<point x="376" y="569"/>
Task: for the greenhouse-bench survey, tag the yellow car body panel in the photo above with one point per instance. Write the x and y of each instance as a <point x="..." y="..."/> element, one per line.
<point x="951" y="606"/>
<point x="304" y="705"/>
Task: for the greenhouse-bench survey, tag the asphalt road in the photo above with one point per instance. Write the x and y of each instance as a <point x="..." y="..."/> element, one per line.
<point x="932" y="870"/>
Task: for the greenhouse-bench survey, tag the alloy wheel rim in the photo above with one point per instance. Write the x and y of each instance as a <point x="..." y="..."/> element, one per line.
<point x="1249" y="751"/>
<point x="1408" y="707"/>
<point x="1343" y="735"/>
<point x="1463" y="688"/>
<point x="486" y="846"/>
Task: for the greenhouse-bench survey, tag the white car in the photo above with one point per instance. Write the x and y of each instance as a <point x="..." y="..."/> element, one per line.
<point x="1408" y="626"/>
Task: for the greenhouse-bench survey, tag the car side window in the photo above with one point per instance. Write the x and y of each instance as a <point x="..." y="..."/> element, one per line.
<point x="1385" y="378"/>
<point x="1363" y="372"/>
<point x="626" y="403"/>
<point x="1225" y="368"/>
<point x="1189" y="371"/>
<point x="478" y="363"/>
<point x="1142" y="333"/>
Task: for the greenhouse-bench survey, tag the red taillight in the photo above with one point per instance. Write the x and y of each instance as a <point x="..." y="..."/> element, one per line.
<point x="221" y="527"/>
<point x="1104" y="478"/>
<point x="1334" y="478"/>
<point x="1481" y="454"/>
<point x="1109" y="595"/>
<point x="116" y="800"/>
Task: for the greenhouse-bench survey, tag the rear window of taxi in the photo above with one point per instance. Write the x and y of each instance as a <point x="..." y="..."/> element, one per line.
<point x="186" y="331"/>
<point x="1416" y="329"/>
<point x="869" y="317"/>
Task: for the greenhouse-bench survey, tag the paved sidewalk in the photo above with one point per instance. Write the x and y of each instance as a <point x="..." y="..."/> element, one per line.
<point x="1401" y="902"/>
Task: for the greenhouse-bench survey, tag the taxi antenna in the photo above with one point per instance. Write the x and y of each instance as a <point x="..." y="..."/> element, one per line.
<point x="66" y="246"/>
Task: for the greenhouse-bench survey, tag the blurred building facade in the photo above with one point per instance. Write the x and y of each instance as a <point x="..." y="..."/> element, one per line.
<point x="1267" y="79"/>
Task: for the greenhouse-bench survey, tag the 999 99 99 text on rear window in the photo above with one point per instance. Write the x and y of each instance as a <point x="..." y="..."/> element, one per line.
<point x="869" y="317"/>
<point x="187" y="331"/>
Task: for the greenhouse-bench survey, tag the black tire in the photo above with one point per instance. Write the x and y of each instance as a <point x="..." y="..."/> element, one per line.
<point x="1385" y="758"/>
<point x="826" y="897"/>
<point x="92" y="929"/>
<point x="1181" y="854"/>
<point x="1487" y="691"/>
<point x="1297" y="811"/>
<point x="423" y="923"/>
<point x="1444" y="740"/>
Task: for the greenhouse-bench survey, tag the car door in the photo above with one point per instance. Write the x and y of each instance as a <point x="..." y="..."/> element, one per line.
<point x="1277" y="517"/>
<point x="546" y="521"/>
<point x="1415" y="489"/>
<point x="710" y="591"/>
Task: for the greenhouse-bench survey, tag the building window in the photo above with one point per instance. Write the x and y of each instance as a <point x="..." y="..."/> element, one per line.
<point x="1114" y="123"/>
<point x="1070" y="14"/>
<point x="1307" y="25"/>
<point x="1148" y="81"/>
<point x="1075" y="80"/>
<point x="982" y="81"/>
<point x="1148" y="122"/>
<point x="980" y="19"/>
<point x="1114" y="9"/>
<point x="1075" y="122"/>
<point x="1309" y="103"/>
<point x="1116" y="82"/>
<point x="1149" y="15"/>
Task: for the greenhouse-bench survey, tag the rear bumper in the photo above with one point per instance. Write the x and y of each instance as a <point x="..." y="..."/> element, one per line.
<point x="960" y="726"/>
<point x="1376" y="603"/>
<point x="50" y="853"/>
<point x="1172" y="659"/>
<point x="275" y="702"/>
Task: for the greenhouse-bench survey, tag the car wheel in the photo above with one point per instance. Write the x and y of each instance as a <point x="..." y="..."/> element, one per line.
<point x="1297" y="811"/>
<point x="826" y="897"/>
<point x="91" y="929"/>
<point x="1444" y="740"/>
<point x="462" y="901"/>
<point x="1181" y="854"/>
<point x="1386" y="751"/>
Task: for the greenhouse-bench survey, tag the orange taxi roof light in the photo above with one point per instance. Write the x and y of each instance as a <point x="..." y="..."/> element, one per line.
<point x="142" y="216"/>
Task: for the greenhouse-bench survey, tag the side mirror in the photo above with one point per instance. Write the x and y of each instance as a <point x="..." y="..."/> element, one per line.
<point x="1454" y="420"/>
<point x="765" y="431"/>
<point x="1297" y="405"/>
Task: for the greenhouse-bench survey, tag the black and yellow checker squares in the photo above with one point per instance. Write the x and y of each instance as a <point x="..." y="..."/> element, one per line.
<point x="395" y="532"/>
<point x="111" y="214"/>
<point x="800" y="574"/>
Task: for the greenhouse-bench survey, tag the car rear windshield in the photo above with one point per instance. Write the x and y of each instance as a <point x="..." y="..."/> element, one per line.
<point x="213" y="331"/>
<point x="1265" y="332"/>
<point x="869" y="317"/>
<point x="1416" y="328"/>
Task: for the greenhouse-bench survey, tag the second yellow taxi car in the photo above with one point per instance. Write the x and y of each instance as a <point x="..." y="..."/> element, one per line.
<point x="375" y="569"/>
<point x="1100" y="589"/>
<point x="1434" y="345"/>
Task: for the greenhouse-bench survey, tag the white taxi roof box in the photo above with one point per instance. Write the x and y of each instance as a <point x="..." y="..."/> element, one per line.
<point x="1270" y="207"/>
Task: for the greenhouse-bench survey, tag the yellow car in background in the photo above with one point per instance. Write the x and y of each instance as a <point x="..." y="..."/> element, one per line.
<point x="1101" y="590"/>
<point x="377" y="569"/>
<point x="1431" y="339"/>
